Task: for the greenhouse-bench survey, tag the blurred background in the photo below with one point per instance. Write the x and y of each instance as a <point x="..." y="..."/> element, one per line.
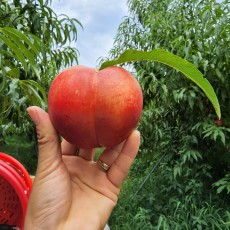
<point x="181" y="177"/>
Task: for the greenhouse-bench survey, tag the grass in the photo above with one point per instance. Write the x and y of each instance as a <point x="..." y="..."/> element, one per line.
<point x="22" y="149"/>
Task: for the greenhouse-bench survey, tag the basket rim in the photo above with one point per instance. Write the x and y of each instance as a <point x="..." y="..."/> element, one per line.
<point x="17" y="165"/>
<point x="17" y="176"/>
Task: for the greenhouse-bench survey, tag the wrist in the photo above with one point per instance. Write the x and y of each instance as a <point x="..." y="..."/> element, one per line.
<point x="79" y="224"/>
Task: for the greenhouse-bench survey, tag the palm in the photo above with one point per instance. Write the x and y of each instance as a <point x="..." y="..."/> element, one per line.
<point x="75" y="187"/>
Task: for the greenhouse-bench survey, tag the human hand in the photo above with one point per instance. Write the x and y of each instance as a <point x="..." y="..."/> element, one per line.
<point x="70" y="191"/>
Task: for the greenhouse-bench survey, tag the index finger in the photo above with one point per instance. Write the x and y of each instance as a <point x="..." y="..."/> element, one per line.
<point x="120" y="167"/>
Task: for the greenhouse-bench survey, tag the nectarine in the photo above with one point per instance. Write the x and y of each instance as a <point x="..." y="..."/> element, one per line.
<point x="91" y="108"/>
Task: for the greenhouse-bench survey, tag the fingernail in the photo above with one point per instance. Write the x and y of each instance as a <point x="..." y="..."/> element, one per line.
<point x="33" y="115"/>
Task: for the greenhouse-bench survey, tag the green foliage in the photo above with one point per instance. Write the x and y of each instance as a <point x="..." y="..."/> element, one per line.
<point x="22" y="148"/>
<point x="223" y="184"/>
<point x="185" y="67"/>
<point x="178" y="195"/>
<point x="181" y="175"/>
<point x="35" y="45"/>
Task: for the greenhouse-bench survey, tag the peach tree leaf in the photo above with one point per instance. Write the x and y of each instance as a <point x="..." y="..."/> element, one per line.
<point x="174" y="61"/>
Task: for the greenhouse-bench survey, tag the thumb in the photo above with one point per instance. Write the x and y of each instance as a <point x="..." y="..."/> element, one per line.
<point x="49" y="147"/>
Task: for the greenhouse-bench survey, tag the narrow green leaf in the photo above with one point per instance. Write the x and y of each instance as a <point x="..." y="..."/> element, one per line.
<point x="39" y="45"/>
<point x="32" y="93"/>
<point x="221" y="188"/>
<point x="17" y="43"/>
<point x="26" y="52"/>
<point x="15" y="49"/>
<point x="209" y="133"/>
<point x="222" y="137"/>
<point x="215" y="134"/>
<point x="14" y="72"/>
<point x="2" y="75"/>
<point x="21" y="36"/>
<point x="174" y="61"/>
<point x="39" y="87"/>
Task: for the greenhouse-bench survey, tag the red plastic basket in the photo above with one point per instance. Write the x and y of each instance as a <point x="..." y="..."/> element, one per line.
<point x="15" y="188"/>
